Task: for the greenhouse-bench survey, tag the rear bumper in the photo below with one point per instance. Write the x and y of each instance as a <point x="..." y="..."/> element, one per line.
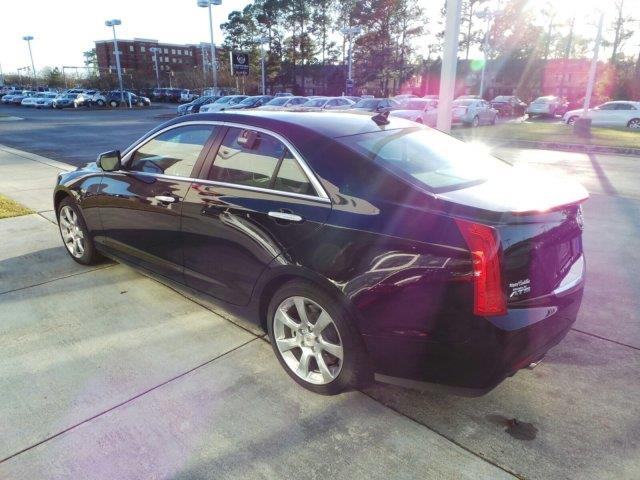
<point x="495" y="347"/>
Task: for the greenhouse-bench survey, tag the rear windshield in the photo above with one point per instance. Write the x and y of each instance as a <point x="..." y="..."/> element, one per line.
<point x="278" y="101"/>
<point x="426" y="157"/>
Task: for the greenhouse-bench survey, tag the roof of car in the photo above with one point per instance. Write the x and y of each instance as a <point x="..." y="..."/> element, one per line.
<point x="327" y="123"/>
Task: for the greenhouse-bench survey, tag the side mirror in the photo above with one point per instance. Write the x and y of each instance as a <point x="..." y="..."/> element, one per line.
<point x="109" y="161"/>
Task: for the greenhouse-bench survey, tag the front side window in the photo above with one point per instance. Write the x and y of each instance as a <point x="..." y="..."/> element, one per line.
<point x="174" y="152"/>
<point x="247" y="157"/>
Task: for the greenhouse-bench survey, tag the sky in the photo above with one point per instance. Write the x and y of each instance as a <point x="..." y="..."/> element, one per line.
<point x="63" y="29"/>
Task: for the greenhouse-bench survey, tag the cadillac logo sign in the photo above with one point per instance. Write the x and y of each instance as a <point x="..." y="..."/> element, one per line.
<point x="239" y="63"/>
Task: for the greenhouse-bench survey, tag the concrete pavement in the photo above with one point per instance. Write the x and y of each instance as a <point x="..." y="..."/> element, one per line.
<point x="110" y="374"/>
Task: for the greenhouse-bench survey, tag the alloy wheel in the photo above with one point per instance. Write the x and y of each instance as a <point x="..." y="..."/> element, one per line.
<point x="571" y="121"/>
<point x="308" y="340"/>
<point x="635" y="124"/>
<point x="475" y="122"/>
<point x="71" y="231"/>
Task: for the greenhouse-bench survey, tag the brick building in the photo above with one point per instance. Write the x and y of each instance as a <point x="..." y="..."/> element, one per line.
<point x="136" y="56"/>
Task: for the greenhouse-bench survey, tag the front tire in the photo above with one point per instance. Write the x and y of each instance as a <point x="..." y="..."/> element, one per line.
<point x="113" y="104"/>
<point x="315" y="340"/>
<point x="475" y="122"/>
<point x="572" y="120"/>
<point x="100" y="103"/>
<point x="75" y="234"/>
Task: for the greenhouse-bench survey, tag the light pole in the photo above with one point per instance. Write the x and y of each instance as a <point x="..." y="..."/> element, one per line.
<point x="207" y="4"/>
<point x="350" y="32"/>
<point x="155" y="51"/>
<point x="112" y="23"/>
<point x="594" y="66"/>
<point x="262" y="40"/>
<point x="449" y="65"/>
<point x="28" y="39"/>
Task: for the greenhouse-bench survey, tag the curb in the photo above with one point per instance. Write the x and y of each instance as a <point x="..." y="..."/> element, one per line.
<point x="37" y="158"/>
<point x="10" y="119"/>
<point x="568" y="147"/>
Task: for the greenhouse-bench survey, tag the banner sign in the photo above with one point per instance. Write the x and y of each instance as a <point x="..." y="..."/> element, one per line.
<point x="239" y="63"/>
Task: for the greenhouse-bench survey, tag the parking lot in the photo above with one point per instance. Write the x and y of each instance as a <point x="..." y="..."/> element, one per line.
<point x="110" y="372"/>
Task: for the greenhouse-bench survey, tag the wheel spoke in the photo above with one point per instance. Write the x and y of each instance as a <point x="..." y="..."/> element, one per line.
<point x="286" y="344"/>
<point x="302" y="311"/>
<point x="324" y="369"/>
<point x="332" y="348"/>
<point x="286" y="320"/>
<point x="324" y="320"/>
<point x="303" y="366"/>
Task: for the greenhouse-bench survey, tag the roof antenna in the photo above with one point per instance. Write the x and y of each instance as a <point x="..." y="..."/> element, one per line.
<point x="381" y="118"/>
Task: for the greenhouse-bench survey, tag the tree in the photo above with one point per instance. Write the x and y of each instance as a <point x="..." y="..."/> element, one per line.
<point x="621" y="32"/>
<point x="469" y="35"/>
<point x="322" y="12"/>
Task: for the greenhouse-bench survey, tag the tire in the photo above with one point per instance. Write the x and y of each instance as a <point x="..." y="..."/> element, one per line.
<point x="475" y="122"/>
<point x="75" y="234"/>
<point x="113" y="104"/>
<point x="419" y="120"/>
<point x="100" y="103"/>
<point x="292" y="340"/>
<point x="572" y="120"/>
<point x="634" y="124"/>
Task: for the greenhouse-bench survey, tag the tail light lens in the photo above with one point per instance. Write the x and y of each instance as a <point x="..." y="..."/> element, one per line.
<point x="484" y="243"/>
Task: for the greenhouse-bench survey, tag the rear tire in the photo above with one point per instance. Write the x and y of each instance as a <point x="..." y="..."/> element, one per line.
<point x="75" y="235"/>
<point x="634" y="124"/>
<point x="572" y="120"/>
<point x="113" y="104"/>
<point x="326" y="354"/>
<point x="100" y="103"/>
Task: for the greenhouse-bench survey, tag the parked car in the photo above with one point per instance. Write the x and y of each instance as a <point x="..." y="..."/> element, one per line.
<point x="353" y="98"/>
<point x="375" y="105"/>
<point x="158" y="94"/>
<point x="66" y="100"/>
<point x="610" y="114"/>
<point x="18" y="97"/>
<point x="251" y="102"/>
<point x="327" y="103"/>
<point x="115" y="99"/>
<point x="86" y="98"/>
<point x="194" y="106"/>
<point x="361" y="245"/>
<point x="509" y="106"/>
<point x="283" y="94"/>
<point x="31" y="101"/>
<point x="172" y="95"/>
<point x="46" y="101"/>
<point x="548" y="106"/>
<point x="419" y="110"/>
<point x="473" y="112"/>
<point x="283" y="101"/>
<point x="6" y="90"/>
<point x="222" y="103"/>
<point x="187" y="96"/>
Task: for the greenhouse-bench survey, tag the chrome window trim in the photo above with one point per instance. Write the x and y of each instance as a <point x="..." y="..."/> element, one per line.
<point x="315" y="183"/>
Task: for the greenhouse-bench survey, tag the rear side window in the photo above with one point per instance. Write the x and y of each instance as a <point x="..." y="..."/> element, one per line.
<point x="247" y="157"/>
<point x="174" y="152"/>
<point x="291" y="177"/>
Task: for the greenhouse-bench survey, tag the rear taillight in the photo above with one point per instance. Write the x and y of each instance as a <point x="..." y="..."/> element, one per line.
<point x="484" y="243"/>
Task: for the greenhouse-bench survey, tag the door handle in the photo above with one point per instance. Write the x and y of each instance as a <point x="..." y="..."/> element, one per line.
<point x="165" y="198"/>
<point x="289" y="217"/>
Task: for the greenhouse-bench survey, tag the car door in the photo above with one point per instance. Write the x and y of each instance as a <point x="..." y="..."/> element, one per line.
<point x="255" y="199"/>
<point x="604" y="115"/>
<point x="140" y="205"/>
<point x="624" y="113"/>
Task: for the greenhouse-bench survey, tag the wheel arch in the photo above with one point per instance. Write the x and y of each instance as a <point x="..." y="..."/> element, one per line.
<point x="58" y="196"/>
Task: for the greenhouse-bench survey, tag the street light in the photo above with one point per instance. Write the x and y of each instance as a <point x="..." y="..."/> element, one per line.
<point x="262" y="40"/>
<point x="155" y="51"/>
<point x="28" y="39"/>
<point x="112" y="23"/>
<point x="207" y="4"/>
<point x="350" y="32"/>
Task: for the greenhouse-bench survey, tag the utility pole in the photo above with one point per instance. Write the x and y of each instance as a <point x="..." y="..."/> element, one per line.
<point x="28" y="39"/>
<point x="214" y="72"/>
<point x="594" y="66"/>
<point x="112" y="23"/>
<point x="155" y="51"/>
<point x="349" y="33"/>
<point x="449" y="65"/>
<point x="262" y="41"/>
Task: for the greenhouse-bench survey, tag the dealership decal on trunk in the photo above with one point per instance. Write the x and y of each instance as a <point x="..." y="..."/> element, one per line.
<point x="520" y="287"/>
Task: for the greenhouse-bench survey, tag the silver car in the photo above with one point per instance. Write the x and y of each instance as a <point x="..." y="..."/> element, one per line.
<point x="474" y="112"/>
<point x="327" y="103"/>
<point x="611" y="114"/>
<point x="548" y="106"/>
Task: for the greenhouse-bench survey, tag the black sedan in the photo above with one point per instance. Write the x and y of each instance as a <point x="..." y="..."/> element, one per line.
<point x="365" y="246"/>
<point x="194" y="106"/>
<point x="375" y="105"/>
<point x="251" y="102"/>
<point x="508" y="106"/>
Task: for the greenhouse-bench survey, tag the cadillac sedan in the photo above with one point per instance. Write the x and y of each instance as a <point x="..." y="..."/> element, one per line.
<point x="367" y="247"/>
<point x="619" y="114"/>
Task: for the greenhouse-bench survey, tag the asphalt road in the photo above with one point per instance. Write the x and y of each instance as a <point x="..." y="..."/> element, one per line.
<point x="574" y="416"/>
<point x="77" y="136"/>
